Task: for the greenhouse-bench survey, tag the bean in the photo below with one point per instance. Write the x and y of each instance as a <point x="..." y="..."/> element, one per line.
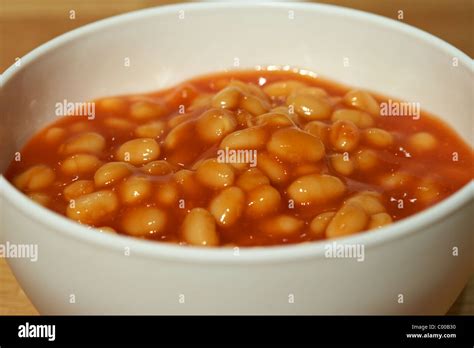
<point x="282" y="88"/>
<point x="319" y="224"/>
<point x="422" y="142"/>
<point x="199" y="228"/>
<point x="138" y="151"/>
<point x="167" y="193"/>
<point x="143" y="221"/>
<point x="118" y="123"/>
<point x="113" y="105"/>
<point x="144" y="110"/>
<point x="154" y="129"/>
<point x="378" y="137"/>
<point x="215" y="124"/>
<point x="178" y="119"/>
<point x="316" y="189"/>
<point x="274" y="119"/>
<point x="251" y="179"/>
<point x="369" y="201"/>
<point x="362" y="101"/>
<point x="78" y="188"/>
<point x="427" y="191"/>
<point x="281" y="226"/>
<point x="178" y="135"/>
<point x="319" y="130"/>
<point x="91" y="142"/>
<point x="203" y="100"/>
<point x="307" y="168"/>
<point x="40" y="198"/>
<point x="227" y="98"/>
<point x="379" y="220"/>
<point x="360" y="118"/>
<point x="395" y="180"/>
<point x="215" y="175"/>
<point x="366" y="160"/>
<point x="293" y="145"/>
<point x="188" y="182"/>
<point x="245" y="139"/>
<point x="94" y="207"/>
<point x="54" y="135"/>
<point x="160" y="167"/>
<point x="344" y="136"/>
<point x="111" y="172"/>
<point x="227" y="206"/>
<point x="134" y="190"/>
<point x="263" y="200"/>
<point x="35" y="178"/>
<point x="80" y="164"/>
<point x="274" y="170"/>
<point x="79" y="127"/>
<point x="106" y="229"/>
<point x="348" y="220"/>
<point x="342" y="164"/>
<point x="310" y="107"/>
<point x="254" y="105"/>
<point x="313" y="91"/>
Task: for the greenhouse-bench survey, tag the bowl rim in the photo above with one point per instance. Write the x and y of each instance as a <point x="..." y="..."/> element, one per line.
<point x="67" y="228"/>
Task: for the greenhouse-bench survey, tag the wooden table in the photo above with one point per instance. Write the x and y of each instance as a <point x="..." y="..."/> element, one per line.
<point x="25" y="24"/>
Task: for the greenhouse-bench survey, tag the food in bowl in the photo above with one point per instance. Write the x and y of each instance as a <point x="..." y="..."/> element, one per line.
<point x="242" y="158"/>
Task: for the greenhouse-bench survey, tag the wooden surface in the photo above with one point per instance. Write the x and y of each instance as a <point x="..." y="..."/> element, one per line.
<point x="26" y="24"/>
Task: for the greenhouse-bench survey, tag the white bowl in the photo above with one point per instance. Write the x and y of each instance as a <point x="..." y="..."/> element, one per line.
<point x="412" y="258"/>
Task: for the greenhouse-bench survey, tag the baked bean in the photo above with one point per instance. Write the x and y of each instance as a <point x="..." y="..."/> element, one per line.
<point x="248" y="89"/>
<point x="227" y="206"/>
<point x="378" y="137"/>
<point x="360" y="118"/>
<point x="316" y="189"/>
<point x="113" y="105"/>
<point x="228" y="98"/>
<point x="348" y="220"/>
<point x="106" y="229"/>
<point x="282" y="225"/>
<point x="307" y="168"/>
<point x="199" y="228"/>
<point x="427" y="191"/>
<point x="310" y="107"/>
<point x="215" y="175"/>
<point x="251" y="179"/>
<point x="79" y="127"/>
<point x="201" y="101"/>
<point x="366" y="159"/>
<point x="177" y="120"/>
<point x="342" y="163"/>
<point x="318" y="225"/>
<point x="90" y="142"/>
<point x="344" y="136"/>
<point x="138" y="151"/>
<point x="369" y="201"/>
<point x="244" y="118"/>
<point x="293" y="145"/>
<point x="394" y="181"/>
<point x="144" y="110"/>
<point x="422" y="142"/>
<point x="245" y="139"/>
<point x="178" y="134"/>
<point x="54" y="135"/>
<point x="254" y="105"/>
<point x="362" y="101"/>
<point x="160" y="167"/>
<point x="118" y="123"/>
<point x="80" y="164"/>
<point x="215" y="124"/>
<point x="319" y="130"/>
<point x="94" y="207"/>
<point x="379" y="220"/>
<point x="274" y="170"/>
<point x="188" y="182"/>
<point x="274" y="119"/>
<point x="143" y="221"/>
<point x="167" y="193"/>
<point x="111" y="172"/>
<point x="78" y="188"/>
<point x="154" y="129"/>
<point x="282" y="88"/>
<point x="263" y="200"/>
<point x="134" y="190"/>
<point x="35" y="178"/>
<point x="314" y="91"/>
<point x="40" y="198"/>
